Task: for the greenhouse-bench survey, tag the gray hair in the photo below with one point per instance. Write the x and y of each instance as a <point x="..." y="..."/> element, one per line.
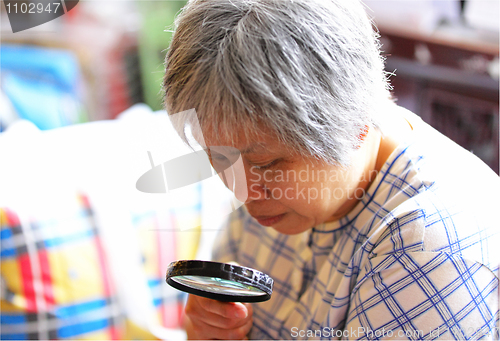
<point x="308" y="70"/>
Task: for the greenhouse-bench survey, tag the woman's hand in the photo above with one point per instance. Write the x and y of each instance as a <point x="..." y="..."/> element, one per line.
<point x="211" y="319"/>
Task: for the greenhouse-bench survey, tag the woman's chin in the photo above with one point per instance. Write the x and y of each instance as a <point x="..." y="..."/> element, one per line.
<point x="290" y="227"/>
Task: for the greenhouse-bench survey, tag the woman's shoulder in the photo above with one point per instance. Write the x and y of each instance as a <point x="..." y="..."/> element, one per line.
<point x="435" y="222"/>
<point x="432" y="195"/>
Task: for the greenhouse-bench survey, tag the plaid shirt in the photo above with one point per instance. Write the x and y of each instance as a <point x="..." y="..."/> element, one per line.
<point x="417" y="258"/>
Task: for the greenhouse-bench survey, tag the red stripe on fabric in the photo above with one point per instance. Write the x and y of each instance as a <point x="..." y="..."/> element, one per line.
<point x="47" y="283"/>
<point x="27" y="282"/>
<point x="84" y="200"/>
<point x="114" y="333"/>
<point x="12" y="218"/>
<point x="160" y="259"/>
<point x="174" y="255"/>
<point x="106" y="281"/>
<point x="180" y="312"/>
<point x="103" y="267"/>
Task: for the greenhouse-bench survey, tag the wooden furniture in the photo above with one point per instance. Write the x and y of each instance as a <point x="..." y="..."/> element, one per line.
<point x="449" y="78"/>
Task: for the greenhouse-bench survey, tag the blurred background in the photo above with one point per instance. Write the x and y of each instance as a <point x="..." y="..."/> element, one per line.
<point x="104" y="56"/>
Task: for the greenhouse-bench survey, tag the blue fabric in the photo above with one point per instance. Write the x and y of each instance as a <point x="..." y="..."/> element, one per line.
<point x="42" y="84"/>
<point x="53" y="65"/>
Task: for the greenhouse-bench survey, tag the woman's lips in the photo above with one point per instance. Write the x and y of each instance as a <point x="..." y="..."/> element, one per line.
<point x="269" y="220"/>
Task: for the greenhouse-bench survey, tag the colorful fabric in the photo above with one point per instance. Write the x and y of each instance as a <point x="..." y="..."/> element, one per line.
<point x="164" y="237"/>
<point x="158" y="248"/>
<point x="56" y="282"/>
<point x="417" y="258"/>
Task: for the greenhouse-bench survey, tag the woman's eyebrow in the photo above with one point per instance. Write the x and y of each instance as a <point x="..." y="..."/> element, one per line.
<point x="255" y="148"/>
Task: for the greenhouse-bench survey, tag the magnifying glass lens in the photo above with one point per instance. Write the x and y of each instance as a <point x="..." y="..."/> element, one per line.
<point x="218" y="285"/>
<point x="220" y="281"/>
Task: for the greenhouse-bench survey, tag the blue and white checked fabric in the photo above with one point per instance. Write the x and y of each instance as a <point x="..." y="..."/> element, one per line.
<point x="417" y="258"/>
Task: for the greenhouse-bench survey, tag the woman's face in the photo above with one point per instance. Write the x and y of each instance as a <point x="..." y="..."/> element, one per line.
<point x="291" y="193"/>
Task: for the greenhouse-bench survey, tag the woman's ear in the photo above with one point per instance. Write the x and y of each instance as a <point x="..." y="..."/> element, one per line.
<point x="362" y="135"/>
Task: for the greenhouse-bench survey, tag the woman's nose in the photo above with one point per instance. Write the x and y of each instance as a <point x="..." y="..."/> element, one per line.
<point x="245" y="183"/>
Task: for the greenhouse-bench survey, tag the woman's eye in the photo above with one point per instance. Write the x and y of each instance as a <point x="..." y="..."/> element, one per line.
<point x="266" y="166"/>
<point x="219" y="158"/>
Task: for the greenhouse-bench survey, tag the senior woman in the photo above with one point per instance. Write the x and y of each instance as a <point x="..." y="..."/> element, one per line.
<point x="372" y="224"/>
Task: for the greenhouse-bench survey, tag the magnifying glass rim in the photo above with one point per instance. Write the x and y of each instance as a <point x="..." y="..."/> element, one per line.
<point x="226" y="271"/>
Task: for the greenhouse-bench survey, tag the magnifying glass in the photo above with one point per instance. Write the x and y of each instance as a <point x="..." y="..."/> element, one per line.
<point x="220" y="281"/>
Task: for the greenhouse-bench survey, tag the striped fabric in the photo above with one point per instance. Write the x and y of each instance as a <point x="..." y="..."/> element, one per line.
<point x="416" y="259"/>
<point x="159" y="248"/>
<point x="164" y="237"/>
<point x="56" y="282"/>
